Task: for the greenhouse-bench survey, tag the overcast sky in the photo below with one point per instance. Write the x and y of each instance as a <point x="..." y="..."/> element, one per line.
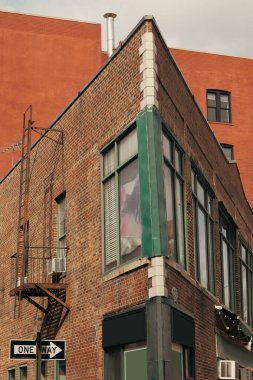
<point x="217" y="26"/>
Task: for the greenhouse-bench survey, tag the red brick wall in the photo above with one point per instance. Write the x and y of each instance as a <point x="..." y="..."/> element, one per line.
<point x="44" y="62"/>
<point x="108" y="105"/>
<point x="204" y="71"/>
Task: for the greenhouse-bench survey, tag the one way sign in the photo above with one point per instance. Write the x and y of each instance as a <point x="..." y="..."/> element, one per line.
<point x="26" y="349"/>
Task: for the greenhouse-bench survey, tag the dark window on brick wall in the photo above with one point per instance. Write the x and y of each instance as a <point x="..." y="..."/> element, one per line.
<point x="228" y="150"/>
<point x="246" y="260"/>
<point x="227" y="244"/>
<point x="203" y="223"/>
<point x="218" y="106"/>
<point x="174" y="196"/>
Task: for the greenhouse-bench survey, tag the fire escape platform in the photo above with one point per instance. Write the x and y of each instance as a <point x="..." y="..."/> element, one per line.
<point x="38" y="290"/>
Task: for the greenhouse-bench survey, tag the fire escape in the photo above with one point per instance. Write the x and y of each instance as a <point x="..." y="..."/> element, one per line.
<point x="38" y="273"/>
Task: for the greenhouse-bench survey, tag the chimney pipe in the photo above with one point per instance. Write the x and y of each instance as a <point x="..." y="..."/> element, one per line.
<point x="110" y="32"/>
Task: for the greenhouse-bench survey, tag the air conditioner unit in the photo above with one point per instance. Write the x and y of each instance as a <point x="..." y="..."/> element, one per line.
<point x="57" y="265"/>
<point x="228" y="370"/>
<point x="19" y="281"/>
<point x="246" y="374"/>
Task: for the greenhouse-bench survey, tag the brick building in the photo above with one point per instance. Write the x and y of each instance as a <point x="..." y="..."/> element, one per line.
<point x="134" y="193"/>
<point x="44" y="62"/>
<point x="223" y="88"/>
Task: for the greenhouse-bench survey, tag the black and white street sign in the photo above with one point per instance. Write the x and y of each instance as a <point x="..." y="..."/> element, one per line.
<point x="26" y="349"/>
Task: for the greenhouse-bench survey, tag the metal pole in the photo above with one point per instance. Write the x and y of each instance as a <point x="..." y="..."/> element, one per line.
<point x="38" y="356"/>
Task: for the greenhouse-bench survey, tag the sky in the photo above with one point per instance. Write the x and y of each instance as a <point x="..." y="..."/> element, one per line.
<point x="216" y="26"/>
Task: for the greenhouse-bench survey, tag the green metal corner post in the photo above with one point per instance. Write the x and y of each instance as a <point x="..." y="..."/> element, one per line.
<point x="158" y="338"/>
<point x="153" y="208"/>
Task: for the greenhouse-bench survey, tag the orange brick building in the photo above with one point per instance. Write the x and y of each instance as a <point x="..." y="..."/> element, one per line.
<point x="138" y="236"/>
<point x="205" y="72"/>
<point x="44" y="62"/>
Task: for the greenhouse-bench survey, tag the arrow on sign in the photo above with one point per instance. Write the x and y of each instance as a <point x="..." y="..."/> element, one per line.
<point x="51" y="350"/>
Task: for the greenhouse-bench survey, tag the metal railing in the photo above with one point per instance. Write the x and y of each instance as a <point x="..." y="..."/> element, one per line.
<point x="35" y="261"/>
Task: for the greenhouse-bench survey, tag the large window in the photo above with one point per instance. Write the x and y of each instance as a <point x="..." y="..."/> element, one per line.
<point x="246" y="283"/>
<point x="203" y="224"/>
<point x="174" y="195"/>
<point x="218" y="106"/>
<point x="227" y="242"/>
<point x="61" y="204"/>
<point x="121" y="200"/>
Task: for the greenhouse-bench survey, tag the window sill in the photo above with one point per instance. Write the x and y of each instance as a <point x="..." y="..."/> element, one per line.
<point x="221" y="123"/>
<point x="126" y="268"/>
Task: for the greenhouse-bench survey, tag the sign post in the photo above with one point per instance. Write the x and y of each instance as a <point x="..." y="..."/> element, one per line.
<point x="38" y="356"/>
<point x="27" y="349"/>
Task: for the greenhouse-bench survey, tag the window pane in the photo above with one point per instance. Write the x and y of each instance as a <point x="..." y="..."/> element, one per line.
<point x="228" y="151"/>
<point x="193" y="181"/>
<point x="226" y="270"/>
<point x="62" y="369"/>
<point x="62" y="216"/>
<point x="211" y="255"/>
<point x="211" y="99"/>
<point x="202" y="237"/>
<point x="201" y="193"/>
<point x="180" y="221"/>
<point x="113" y="364"/>
<point x="23" y="373"/>
<point x="224" y="115"/>
<point x="128" y="147"/>
<point x="109" y="162"/>
<point x="211" y="114"/>
<point x="110" y="223"/>
<point x="224" y="101"/>
<point x="169" y="208"/>
<point x="11" y="374"/>
<point x="176" y="366"/>
<point x="135" y="363"/>
<point x="178" y="161"/>
<point x="244" y="293"/>
<point x="130" y="223"/>
<point x="167" y="148"/>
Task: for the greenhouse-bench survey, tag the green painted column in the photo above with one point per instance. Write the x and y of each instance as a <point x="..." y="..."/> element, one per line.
<point x="153" y="208"/>
<point x="158" y="338"/>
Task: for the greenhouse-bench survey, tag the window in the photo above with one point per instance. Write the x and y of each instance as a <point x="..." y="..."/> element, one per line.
<point x="182" y="362"/>
<point x="246" y="257"/>
<point x="11" y="374"/>
<point x="60" y="370"/>
<point x="23" y="373"/>
<point x="228" y="150"/>
<point x="203" y="224"/>
<point x="121" y="200"/>
<point x="127" y="362"/>
<point x="218" y="106"/>
<point x="61" y="203"/>
<point x="227" y="242"/>
<point x="174" y="196"/>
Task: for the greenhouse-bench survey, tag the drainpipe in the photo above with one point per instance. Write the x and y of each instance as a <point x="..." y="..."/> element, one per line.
<point x="110" y="32"/>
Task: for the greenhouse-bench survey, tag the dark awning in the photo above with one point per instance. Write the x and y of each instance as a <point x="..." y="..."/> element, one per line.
<point x="233" y="327"/>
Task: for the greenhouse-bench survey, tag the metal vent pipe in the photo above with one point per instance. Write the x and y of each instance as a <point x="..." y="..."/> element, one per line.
<point x="110" y="32"/>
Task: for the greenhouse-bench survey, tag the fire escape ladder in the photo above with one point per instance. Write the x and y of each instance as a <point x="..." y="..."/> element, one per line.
<point x="23" y="212"/>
